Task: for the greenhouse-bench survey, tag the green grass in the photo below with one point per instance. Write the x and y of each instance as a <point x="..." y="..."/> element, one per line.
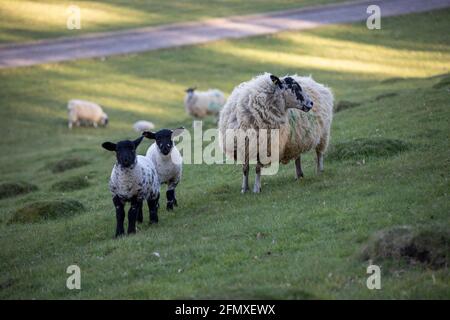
<point x="24" y="20"/>
<point x="296" y="239"/>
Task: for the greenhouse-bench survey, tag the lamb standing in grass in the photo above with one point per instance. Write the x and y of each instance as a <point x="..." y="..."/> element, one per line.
<point x="267" y="102"/>
<point x="86" y="111"/>
<point x="133" y="179"/>
<point x="199" y="104"/>
<point x="167" y="160"/>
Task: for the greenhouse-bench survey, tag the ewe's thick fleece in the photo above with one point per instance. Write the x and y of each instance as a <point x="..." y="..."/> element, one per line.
<point x="80" y="110"/>
<point x="203" y="103"/>
<point x="257" y="104"/>
<point x="169" y="167"/>
<point x="141" y="180"/>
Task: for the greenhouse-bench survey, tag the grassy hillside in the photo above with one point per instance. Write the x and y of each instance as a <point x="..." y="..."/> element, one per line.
<point x="296" y="239"/>
<point x="24" y="20"/>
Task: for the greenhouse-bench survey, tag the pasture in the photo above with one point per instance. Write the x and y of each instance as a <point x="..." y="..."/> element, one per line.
<point x="388" y="165"/>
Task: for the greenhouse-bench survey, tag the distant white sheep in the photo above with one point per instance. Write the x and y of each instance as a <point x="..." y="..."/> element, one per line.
<point x="143" y="125"/>
<point x="299" y="107"/>
<point x="81" y="111"/>
<point x="199" y="104"/>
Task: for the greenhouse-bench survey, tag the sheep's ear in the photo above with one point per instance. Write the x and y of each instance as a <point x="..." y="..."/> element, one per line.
<point x="138" y="141"/>
<point x="177" y="132"/>
<point x="276" y="80"/>
<point x="149" y="134"/>
<point x="109" y="146"/>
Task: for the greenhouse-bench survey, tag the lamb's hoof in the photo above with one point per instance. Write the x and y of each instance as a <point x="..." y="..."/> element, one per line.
<point x="175" y="203"/>
<point x="244" y="190"/>
<point x="169" y="206"/>
<point x="153" y="221"/>
<point x="119" y="234"/>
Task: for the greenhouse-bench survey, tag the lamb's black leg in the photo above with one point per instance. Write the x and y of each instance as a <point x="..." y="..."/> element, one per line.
<point x="245" y="171"/>
<point x="140" y="215"/>
<point x="153" y="205"/>
<point x="170" y="194"/>
<point x="120" y="215"/>
<point x="132" y="214"/>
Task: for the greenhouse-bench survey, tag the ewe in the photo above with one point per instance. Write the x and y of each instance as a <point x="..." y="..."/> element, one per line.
<point x="267" y="102"/>
<point x="86" y="112"/>
<point x="199" y="104"/>
<point x="167" y="160"/>
<point x="133" y="179"/>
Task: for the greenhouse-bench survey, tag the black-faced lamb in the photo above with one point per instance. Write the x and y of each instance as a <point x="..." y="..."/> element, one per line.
<point x="199" y="104"/>
<point x="133" y="179"/>
<point x="299" y="107"/>
<point x="167" y="160"/>
<point x="81" y="111"/>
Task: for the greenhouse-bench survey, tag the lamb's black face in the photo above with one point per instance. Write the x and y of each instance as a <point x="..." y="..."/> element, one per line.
<point x="304" y="101"/>
<point x="163" y="138"/>
<point x="125" y="151"/>
<point x="164" y="141"/>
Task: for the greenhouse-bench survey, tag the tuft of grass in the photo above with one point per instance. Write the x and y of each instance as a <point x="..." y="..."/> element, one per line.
<point x="386" y="95"/>
<point x="429" y="247"/>
<point x="67" y="164"/>
<point x="71" y="184"/>
<point x="343" y="105"/>
<point x="366" y="148"/>
<point x="444" y="82"/>
<point x="46" y="210"/>
<point x="12" y="189"/>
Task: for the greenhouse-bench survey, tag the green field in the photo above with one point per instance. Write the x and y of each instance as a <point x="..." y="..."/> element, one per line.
<point x="297" y="239"/>
<point x="23" y="20"/>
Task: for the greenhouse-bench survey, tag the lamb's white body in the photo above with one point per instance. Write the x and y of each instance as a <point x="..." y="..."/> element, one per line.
<point x="199" y="104"/>
<point x="256" y="105"/>
<point x="141" y="180"/>
<point x="85" y="111"/>
<point x="143" y="125"/>
<point x="168" y="167"/>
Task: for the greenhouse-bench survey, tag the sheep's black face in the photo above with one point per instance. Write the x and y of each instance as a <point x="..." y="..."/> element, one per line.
<point x="163" y="138"/>
<point x="164" y="141"/>
<point x="303" y="100"/>
<point x="125" y="151"/>
<point x="293" y="93"/>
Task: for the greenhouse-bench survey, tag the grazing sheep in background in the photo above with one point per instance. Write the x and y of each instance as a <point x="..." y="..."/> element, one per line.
<point x="199" y="104"/>
<point x="142" y="125"/>
<point x="267" y="102"/>
<point x="86" y="112"/>
<point x="167" y="160"/>
<point x="133" y="179"/>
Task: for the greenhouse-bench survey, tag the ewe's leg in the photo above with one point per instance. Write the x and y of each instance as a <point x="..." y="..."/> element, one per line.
<point x="245" y="171"/>
<point x="120" y="215"/>
<point x="319" y="161"/>
<point x="257" y="186"/>
<point x="298" y="168"/>
<point x="140" y="216"/>
<point x="132" y="214"/>
<point x="153" y="204"/>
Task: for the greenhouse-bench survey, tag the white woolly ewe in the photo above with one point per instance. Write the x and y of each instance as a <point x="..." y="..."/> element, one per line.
<point x="267" y="102"/>
<point x="199" y="104"/>
<point x="143" y="125"/>
<point x="86" y="111"/>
